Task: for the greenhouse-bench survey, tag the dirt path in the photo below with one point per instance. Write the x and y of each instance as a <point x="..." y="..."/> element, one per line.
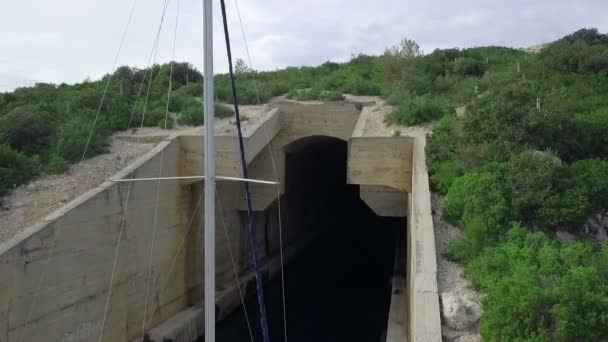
<point x="28" y="204"/>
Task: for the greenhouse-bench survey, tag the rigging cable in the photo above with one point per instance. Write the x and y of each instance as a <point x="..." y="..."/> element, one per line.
<point x="252" y="230"/>
<point x="160" y="174"/>
<point x="54" y="242"/>
<point x="274" y="168"/>
<point x="105" y="91"/>
<point x="124" y="217"/>
<point x="236" y="273"/>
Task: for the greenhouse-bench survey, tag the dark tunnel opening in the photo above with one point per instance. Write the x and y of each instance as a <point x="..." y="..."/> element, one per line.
<point x="339" y="287"/>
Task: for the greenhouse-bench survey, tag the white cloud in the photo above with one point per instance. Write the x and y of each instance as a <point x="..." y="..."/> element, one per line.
<point x="69" y="40"/>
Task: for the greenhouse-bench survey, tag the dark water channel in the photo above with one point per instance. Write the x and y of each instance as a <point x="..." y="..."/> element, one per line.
<point x="339" y="288"/>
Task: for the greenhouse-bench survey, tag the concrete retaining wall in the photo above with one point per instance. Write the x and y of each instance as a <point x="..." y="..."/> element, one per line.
<point x="424" y="316"/>
<point x="67" y="292"/>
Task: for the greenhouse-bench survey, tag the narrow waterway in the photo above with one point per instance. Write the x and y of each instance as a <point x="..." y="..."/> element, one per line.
<point x="338" y="289"/>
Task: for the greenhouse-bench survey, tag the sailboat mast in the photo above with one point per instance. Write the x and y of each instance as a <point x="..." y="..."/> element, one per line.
<point x="209" y="161"/>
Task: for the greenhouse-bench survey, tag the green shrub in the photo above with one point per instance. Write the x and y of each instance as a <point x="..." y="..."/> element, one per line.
<point x="304" y="94"/>
<point x="477" y="203"/>
<point x="15" y="168"/>
<point x="442" y="152"/>
<point x="590" y="176"/>
<point x="513" y="309"/>
<point x="581" y="305"/>
<point x="469" y="67"/>
<point x="223" y="111"/>
<point x="422" y="109"/>
<point x="538" y="289"/>
<point x="589" y="134"/>
<point x="328" y="95"/>
<point x="193" y="115"/>
<point x="74" y="134"/>
<point x="445" y="173"/>
<point x="314" y="94"/>
<point x="26" y="130"/>
<point x="154" y="116"/>
<point x="181" y="100"/>
<point x="530" y="177"/>
<point x="55" y="164"/>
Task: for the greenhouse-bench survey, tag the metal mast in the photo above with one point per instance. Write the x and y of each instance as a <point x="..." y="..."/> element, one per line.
<point x="209" y="161"/>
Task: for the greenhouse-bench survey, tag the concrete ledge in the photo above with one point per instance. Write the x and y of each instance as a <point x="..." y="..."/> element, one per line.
<point x="425" y="319"/>
<point x="384" y="201"/>
<point x="380" y="161"/>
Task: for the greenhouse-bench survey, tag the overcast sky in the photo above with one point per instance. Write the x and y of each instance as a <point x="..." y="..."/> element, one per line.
<point x="70" y="40"/>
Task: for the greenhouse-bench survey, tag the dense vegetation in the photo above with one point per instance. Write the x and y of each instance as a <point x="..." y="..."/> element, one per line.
<point x="44" y="129"/>
<point x="527" y="159"/>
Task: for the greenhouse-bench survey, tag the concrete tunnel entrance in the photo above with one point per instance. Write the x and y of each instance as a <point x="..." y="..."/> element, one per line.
<point x="339" y="287"/>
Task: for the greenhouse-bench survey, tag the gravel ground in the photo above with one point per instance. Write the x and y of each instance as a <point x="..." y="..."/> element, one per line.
<point x="28" y="204"/>
<point x="450" y="275"/>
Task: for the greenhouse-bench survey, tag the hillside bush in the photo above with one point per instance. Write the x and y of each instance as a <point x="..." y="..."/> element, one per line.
<point x="418" y="110"/>
<point x="27" y="130"/>
<point x="15" y="168"/>
<point x="539" y="289"/>
<point x="73" y="136"/>
<point x="193" y="115"/>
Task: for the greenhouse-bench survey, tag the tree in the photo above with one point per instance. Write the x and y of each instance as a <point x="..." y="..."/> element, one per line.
<point x="407" y="49"/>
<point x="25" y="129"/>
<point x="398" y="61"/>
<point x="241" y="67"/>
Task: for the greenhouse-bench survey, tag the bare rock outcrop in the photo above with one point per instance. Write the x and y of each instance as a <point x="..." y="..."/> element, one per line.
<point x="460" y="303"/>
<point x="461" y="310"/>
<point x="596" y="226"/>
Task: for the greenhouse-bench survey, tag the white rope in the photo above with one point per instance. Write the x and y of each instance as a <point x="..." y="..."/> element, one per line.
<point x="160" y="173"/>
<point x="125" y="209"/>
<point x="105" y="91"/>
<point x="276" y="175"/>
<point x="225" y="178"/>
<point x="236" y="273"/>
<point x="52" y="251"/>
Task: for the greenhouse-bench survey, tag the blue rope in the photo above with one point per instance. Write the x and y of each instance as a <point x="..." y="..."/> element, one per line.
<point x="252" y="230"/>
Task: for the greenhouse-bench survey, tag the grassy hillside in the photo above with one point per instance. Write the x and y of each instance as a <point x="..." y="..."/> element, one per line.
<point x="43" y="129"/>
<point x="514" y="173"/>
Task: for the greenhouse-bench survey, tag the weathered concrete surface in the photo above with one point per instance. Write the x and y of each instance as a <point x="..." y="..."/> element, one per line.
<point x="381" y="161"/>
<point x="398" y="315"/>
<point x="384" y="201"/>
<point x="298" y="121"/>
<point x="425" y="319"/>
<point x="82" y="236"/>
<point x="63" y="298"/>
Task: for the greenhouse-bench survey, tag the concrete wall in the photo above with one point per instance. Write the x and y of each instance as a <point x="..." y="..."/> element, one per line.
<point x="298" y="121"/>
<point x="381" y="161"/>
<point x="74" y="282"/>
<point x="82" y="236"/>
<point x="424" y="316"/>
<point x="67" y="293"/>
